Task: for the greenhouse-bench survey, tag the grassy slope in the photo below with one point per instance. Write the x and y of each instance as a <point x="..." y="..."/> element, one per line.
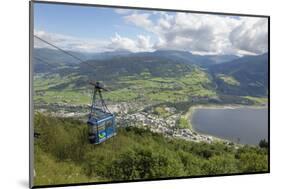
<point x="63" y="155"/>
<point x="228" y="79"/>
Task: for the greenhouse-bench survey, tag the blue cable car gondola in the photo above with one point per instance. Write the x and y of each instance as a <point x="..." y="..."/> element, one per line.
<point x="101" y="122"/>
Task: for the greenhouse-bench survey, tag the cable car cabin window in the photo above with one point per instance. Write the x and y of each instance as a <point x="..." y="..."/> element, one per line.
<point x="109" y="125"/>
<point x="93" y="134"/>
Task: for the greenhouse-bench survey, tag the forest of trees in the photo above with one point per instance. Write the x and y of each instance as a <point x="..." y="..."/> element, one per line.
<point x="63" y="155"/>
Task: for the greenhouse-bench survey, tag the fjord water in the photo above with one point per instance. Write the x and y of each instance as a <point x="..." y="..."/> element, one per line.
<point x="245" y="125"/>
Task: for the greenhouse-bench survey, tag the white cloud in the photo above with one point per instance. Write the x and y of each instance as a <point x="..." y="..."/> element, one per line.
<point x="141" y="20"/>
<point x="202" y="33"/>
<point x="193" y="32"/>
<point x="142" y="43"/>
<point x="251" y="36"/>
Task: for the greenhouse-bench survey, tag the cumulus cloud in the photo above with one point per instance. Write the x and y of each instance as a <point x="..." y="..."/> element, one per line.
<point x="251" y="36"/>
<point x="142" y="43"/>
<point x="205" y="34"/>
<point x="140" y="20"/>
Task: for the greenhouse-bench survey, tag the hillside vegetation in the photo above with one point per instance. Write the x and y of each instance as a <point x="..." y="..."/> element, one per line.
<point x="63" y="155"/>
<point x="246" y="76"/>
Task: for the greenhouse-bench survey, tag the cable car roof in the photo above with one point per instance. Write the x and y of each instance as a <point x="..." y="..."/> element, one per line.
<point x="100" y="116"/>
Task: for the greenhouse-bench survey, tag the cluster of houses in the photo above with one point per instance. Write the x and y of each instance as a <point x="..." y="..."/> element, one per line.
<point x="126" y="117"/>
<point x="166" y="126"/>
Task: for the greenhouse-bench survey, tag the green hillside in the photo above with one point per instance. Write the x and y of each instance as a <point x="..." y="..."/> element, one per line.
<point x="63" y="155"/>
<point x="246" y="76"/>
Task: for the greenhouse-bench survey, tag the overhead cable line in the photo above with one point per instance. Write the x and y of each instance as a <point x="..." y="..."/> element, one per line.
<point x="73" y="56"/>
<point x="37" y="58"/>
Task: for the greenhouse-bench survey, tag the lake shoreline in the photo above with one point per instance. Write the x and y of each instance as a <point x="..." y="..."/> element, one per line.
<point x="192" y="109"/>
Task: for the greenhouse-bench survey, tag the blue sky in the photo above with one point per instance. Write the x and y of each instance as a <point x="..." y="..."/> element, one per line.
<point x="83" y="21"/>
<point x="98" y="29"/>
